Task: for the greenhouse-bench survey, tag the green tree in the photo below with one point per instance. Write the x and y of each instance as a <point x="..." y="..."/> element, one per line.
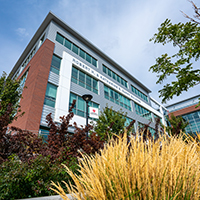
<point x="186" y="37"/>
<point x="111" y="122"/>
<point x="177" y="124"/>
<point x="10" y="94"/>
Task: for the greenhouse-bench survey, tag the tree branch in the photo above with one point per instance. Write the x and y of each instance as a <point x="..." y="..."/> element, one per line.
<point x="196" y="10"/>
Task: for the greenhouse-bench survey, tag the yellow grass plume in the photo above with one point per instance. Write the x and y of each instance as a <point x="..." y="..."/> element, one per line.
<point x="165" y="169"/>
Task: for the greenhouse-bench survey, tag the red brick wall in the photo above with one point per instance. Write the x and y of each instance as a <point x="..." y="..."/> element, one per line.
<point x="185" y="110"/>
<point x="36" y="82"/>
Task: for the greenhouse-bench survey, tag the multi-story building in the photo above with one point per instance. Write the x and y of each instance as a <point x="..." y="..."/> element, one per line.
<point x="59" y="65"/>
<point x="190" y="113"/>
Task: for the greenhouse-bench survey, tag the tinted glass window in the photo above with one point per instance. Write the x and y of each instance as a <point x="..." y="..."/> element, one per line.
<point x="59" y="38"/>
<point x="68" y="44"/>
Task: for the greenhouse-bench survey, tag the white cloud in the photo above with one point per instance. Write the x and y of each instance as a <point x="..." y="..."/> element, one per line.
<point x="121" y="29"/>
<point x="22" y="32"/>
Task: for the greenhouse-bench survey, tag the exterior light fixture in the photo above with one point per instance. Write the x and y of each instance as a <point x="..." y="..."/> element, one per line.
<point x="87" y="98"/>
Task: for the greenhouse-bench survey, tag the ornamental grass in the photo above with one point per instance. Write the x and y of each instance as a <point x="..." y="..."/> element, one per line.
<point x="168" y="168"/>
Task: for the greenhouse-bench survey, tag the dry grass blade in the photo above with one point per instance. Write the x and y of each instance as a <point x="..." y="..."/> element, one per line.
<point x="167" y="168"/>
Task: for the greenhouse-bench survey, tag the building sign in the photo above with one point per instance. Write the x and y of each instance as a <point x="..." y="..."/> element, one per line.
<point x="94" y="112"/>
<point x="113" y="85"/>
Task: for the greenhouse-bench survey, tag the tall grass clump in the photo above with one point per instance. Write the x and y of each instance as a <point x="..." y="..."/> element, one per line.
<point x="168" y="168"/>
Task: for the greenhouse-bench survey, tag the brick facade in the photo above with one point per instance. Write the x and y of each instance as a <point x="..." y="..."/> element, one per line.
<point x="185" y="110"/>
<point x="36" y="82"/>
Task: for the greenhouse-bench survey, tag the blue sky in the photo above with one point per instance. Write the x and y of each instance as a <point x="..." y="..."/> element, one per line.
<point x="121" y="29"/>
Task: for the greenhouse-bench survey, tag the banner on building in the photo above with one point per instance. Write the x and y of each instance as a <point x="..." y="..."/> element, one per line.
<point x="94" y="113"/>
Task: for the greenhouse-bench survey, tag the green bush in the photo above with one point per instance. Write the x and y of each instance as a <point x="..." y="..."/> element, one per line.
<point x="30" y="179"/>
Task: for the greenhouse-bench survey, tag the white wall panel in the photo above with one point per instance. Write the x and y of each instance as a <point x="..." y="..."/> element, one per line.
<point x="63" y="91"/>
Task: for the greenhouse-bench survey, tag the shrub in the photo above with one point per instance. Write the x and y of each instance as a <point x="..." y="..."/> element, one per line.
<point x="21" y="179"/>
<point x="167" y="168"/>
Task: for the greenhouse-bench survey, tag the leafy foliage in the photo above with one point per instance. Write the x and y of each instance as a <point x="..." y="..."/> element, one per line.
<point x="186" y="37"/>
<point x="62" y="145"/>
<point x="10" y="93"/>
<point x="27" y="164"/>
<point x="178" y="125"/>
<point x="22" y="179"/>
<point x="24" y="144"/>
<point x="110" y="122"/>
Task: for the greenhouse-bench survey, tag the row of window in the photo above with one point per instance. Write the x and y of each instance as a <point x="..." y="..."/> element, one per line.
<point x="44" y="131"/>
<point x="51" y="91"/>
<point x="84" y="80"/>
<point x="64" y="41"/>
<point x="140" y="94"/>
<point x="26" y="61"/>
<point x="80" y="106"/>
<point x="143" y="112"/>
<point x="23" y="79"/>
<point x="117" y="98"/>
<point x="113" y="75"/>
<point x="194" y="122"/>
<point x="55" y="64"/>
<point x="110" y="94"/>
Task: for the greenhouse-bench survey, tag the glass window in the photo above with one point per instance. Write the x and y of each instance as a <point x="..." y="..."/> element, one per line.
<point x="81" y="79"/>
<point x="74" y="75"/>
<point x="88" y="82"/>
<point x="75" y="49"/>
<point x="81" y="107"/>
<point x="72" y="97"/>
<point x="59" y="38"/>
<point x="104" y="69"/>
<point x="88" y="58"/>
<point x="55" y="64"/>
<point x="55" y="70"/>
<point x="49" y="102"/>
<point x="129" y="104"/>
<point x="44" y="132"/>
<point x="140" y="94"/>
<point x="68" y="44"/>
<point x="109" y="72"/>
<point x="125" y="83"/>
<point x="51" y="90"/>
<point x="116" y="97"/>
<point x="50" y="95"/>
<point x="94" y="62"/>
<point x="118" y="79"/>
<point x="112" y="95"/>
<point x="114" y="75"/>
<point x="106" y="94"/>
<point x="56" y="61"/>
<point x="95" y="86"/>
<point x="122" y="81"/>
<point x="82" y="54"/>
<point x="143" y="112"/>
<point x="84" y="80"/>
